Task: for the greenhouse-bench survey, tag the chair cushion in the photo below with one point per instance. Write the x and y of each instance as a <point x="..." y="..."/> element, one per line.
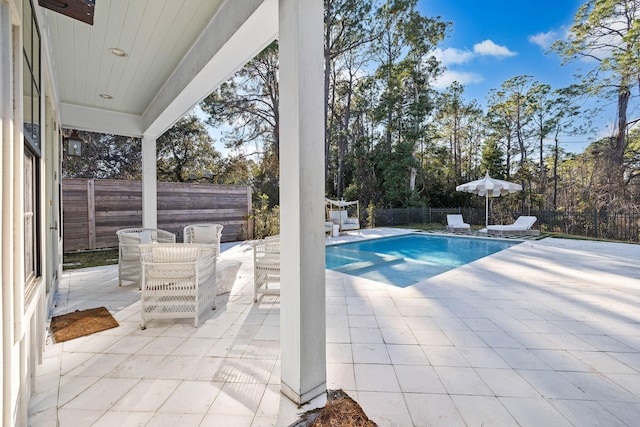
<point x="204" y="235"/>
<point x="145" y="236"/>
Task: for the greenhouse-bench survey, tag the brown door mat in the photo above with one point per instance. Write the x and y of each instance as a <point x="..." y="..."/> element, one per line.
<point x="81" y="323"/>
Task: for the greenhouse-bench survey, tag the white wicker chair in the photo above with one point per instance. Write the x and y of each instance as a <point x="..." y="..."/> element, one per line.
<point x="204" y="233"/>
<point x="129" y="253"/>
<point x="266" y="267"/>
<point x="178" y="281"/>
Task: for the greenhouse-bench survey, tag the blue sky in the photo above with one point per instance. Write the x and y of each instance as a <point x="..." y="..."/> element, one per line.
<point x="491" y="41"/>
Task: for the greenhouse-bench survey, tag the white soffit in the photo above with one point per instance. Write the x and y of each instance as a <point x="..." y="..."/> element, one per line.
<point x="169" y="43"/>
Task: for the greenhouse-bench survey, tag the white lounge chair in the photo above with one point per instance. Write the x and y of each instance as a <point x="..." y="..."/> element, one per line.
<point x="177" y="281"/>
<point x="456" y="224"/>
<point x="522" y="225"/>
<point x="129" y="253"/>
<point x="204" y="233"/>
<point x="266" y="267"/>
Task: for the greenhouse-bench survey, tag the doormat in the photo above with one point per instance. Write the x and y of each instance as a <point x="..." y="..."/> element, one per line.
<point x="81" y="323"/>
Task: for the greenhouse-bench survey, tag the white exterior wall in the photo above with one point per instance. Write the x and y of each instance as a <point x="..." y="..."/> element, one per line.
<point x="23" y="321"/>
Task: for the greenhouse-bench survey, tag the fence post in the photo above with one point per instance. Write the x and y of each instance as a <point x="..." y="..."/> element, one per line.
<point x="250" y="221"/>
<point x="91" y="213"/>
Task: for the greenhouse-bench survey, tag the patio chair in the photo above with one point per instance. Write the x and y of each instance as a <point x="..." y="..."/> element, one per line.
<point x="456" y="224"/>
<point x="129" y="254"/>
<point x="266" y="267"/>
<point x="328" y="228"/>
<point x="204" y="233"/>
<point x="521" y="226"/>
<point x="177" y="281"/>
<point x="342" y="218"/>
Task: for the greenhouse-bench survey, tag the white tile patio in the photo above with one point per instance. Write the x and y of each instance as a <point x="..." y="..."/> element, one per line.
<point x="544" y="333"/>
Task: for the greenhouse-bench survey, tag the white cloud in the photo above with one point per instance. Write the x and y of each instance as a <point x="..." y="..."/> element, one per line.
<point x="463" y="77"/>
<point x="544" y="40"/>
<point x="489" y="48"/>
<point x="452" y="55"/>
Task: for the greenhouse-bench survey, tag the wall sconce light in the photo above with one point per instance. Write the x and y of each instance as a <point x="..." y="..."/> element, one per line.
<point x="75" y="144"/>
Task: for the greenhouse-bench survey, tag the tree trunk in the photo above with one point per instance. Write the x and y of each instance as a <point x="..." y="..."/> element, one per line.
<point x="327" y="133"/>
<point x="619" y="145"/>
<point x="555" y="174"/>
<point x="344" y="138"/>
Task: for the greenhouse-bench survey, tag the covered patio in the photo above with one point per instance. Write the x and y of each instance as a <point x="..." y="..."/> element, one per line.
<point x="134" y="68"/>
<point x="543" y="333"/>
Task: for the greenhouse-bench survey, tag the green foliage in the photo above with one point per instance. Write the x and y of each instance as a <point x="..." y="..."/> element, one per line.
<point x="371" y="215"/>
<point x="104" y="156"/>
<point x="607" y="34"/>
<point x="493" y="160"/>
<point x="457" y="127"/>
<point x="186" y="153"/>
<point x="384" y="117"/>
<point x="251" y="98"/>
<point x="266" y="219"/>
<point x="395" y="170"/>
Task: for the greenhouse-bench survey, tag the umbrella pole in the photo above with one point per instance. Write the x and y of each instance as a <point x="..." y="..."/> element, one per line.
<point x="486" y="210"/>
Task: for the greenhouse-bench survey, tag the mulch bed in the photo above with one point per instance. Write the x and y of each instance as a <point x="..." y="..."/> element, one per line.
<point x="340" y="411"/>
<point x="81" y="323"/>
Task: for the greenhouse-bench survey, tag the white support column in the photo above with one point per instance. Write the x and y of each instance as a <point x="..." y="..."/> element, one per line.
<point x="149" y="183"/>
<point x="302" y="305"/>
<point x="6" y="137"/>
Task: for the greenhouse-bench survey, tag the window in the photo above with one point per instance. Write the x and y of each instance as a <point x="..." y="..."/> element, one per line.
<point x="30" y="226"/>
<point x="31" y="78"/>
<point x="32" y="148"/>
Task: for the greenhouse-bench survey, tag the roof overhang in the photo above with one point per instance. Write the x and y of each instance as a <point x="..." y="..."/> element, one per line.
<point x="153" y="86"/>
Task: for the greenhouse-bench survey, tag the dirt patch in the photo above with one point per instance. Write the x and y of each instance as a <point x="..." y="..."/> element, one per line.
<point x="340" y="411"/>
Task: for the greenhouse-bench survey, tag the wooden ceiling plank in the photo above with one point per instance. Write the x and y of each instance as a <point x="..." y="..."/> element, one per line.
<point x="110" y="38"/>
<point x="141" y="49"/>
<point x="194" y="18"/>
<point x="158" y="50"/>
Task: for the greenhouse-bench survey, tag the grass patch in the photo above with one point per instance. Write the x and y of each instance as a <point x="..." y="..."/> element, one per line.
<point x="576" y="237"/>
<point x="431" y="226"/>
<point x="437" y="226"/>
<point x="84" y="259"/>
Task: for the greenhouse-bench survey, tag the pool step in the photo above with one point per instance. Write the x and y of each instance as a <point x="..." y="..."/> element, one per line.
<point x="375" y="259"/>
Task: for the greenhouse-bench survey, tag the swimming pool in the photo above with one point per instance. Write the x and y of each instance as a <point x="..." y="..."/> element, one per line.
<point x="405" y="260"/>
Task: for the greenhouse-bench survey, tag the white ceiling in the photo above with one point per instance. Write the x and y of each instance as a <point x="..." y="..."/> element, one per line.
<point x="169" y="45"/>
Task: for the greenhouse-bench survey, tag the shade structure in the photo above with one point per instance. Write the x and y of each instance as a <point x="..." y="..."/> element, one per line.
<point x="489" y="187"/>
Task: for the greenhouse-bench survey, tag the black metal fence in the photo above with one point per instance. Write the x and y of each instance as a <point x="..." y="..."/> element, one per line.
<point x="624" y="226"/>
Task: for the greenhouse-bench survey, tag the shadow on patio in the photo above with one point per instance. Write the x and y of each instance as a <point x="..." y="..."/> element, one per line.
<point x="543" y="333"/>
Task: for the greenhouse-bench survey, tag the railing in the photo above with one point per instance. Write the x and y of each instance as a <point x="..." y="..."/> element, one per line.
<point x="408" y="216"/>
<point x="623" y="226"/>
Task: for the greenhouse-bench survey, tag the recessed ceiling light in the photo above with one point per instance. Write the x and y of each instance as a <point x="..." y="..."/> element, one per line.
<point x="105" y="96"/>
<point x="118" y="52"/>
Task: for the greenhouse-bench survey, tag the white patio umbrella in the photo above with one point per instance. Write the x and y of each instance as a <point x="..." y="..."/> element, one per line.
<point x="489" y="187"/>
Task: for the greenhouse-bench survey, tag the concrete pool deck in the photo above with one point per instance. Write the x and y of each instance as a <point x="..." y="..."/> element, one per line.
<point x="544" y="333"/>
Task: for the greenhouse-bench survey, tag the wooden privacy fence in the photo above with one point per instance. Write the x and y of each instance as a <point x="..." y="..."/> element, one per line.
<point x="93" y="210"/>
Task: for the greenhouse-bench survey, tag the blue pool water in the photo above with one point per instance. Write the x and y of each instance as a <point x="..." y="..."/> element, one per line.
<point x="405" y="260"/>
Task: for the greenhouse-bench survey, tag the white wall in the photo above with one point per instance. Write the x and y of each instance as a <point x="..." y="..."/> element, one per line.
<point x="23" y="316"/>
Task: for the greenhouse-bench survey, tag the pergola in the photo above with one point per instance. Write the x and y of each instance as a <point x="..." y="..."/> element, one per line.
<point x="145" y="63"/>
